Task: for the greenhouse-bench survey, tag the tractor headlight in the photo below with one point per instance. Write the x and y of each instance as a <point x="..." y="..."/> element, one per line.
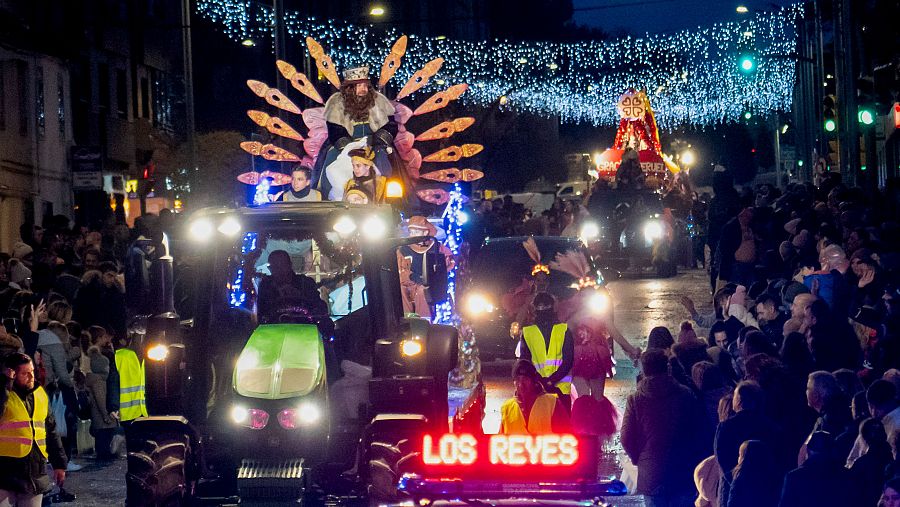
<point x="477" y="304"/>
<point x="344" y="226"/>
<point x="598" y="302"/>
<point x="252" y="418"/>
<point x="158" y="352"/>
<point x="201" y="229"/>
<point x="653" y="230"/>
<point x="374" y="228"/>
<point x="304" y="415"/>
<point x="411" y="347"/>
<point x="239" y="414"/>
<point x="230" y="226"/>
<point x="589" y="231"/>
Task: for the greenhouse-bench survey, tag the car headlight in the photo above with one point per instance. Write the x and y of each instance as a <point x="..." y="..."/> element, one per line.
<point x="598" y="302"/>
<point x="477" y="304"/>
<point x="653" y="230"/>
<point x="201" y="229"/>
<point x="411" y="347"/>
<point x="589" y="231"/>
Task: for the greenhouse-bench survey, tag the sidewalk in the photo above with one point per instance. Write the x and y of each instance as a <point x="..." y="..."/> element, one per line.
<point x="97" y="485"/>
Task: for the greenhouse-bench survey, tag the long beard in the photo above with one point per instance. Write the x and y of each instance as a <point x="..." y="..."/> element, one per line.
<point x="357" y="107"/>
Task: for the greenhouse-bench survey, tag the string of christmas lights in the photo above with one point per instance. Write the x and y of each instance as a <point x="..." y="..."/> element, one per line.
<point x="692" y="77"/>
<point x="444" y="311"/>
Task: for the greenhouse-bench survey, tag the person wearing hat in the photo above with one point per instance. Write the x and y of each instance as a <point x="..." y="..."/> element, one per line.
<point x="421" y="265"/>
<point x="549" y="345"/>
<point x="532" y="411"/>
<point x="356" y="117"/>
<point x="365" y="178"/>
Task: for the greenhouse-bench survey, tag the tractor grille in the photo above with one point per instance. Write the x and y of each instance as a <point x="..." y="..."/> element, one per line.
<point x="282" y="480"/>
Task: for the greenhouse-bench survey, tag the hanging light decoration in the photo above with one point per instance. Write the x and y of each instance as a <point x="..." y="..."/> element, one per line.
<point x="692" y="76"/>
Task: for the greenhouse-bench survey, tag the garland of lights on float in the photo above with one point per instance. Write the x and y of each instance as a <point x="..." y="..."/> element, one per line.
<point x="453" y="222"/>
<point x="692" y="77"/>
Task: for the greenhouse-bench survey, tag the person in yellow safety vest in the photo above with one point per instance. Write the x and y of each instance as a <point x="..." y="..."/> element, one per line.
<point x="131" y="386"/>
<point x="531" y="410"/>
<point x="28" y="437"/>
<point x="549" y="346"/>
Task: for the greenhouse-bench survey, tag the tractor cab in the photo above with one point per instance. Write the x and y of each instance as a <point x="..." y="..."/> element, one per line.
<point x="294" y="358"/>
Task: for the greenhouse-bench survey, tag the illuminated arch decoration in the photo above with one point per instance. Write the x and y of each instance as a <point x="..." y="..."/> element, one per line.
<point x="692" y="76"/>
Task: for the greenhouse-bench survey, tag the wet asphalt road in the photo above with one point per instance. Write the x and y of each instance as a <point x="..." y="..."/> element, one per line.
<point x="640" y="305"/>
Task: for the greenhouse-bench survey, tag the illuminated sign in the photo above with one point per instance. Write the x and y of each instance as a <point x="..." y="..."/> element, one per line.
<point x="131" y="186"/>
<point x="501" y="450"/>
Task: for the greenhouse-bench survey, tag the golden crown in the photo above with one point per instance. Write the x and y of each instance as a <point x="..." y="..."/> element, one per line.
<point x="357" y="73"/>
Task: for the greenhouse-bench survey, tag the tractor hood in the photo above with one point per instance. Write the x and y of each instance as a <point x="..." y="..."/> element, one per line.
<point x="280" y="361"/>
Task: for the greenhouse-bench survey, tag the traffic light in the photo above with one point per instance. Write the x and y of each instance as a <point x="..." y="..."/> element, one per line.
<point x="829" y="111"/>
<point x="866" y="115"/>
<point x="747" y="63"/>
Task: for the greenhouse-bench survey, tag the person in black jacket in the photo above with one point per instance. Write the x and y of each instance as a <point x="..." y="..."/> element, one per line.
<point x="868" y="470"/>
<point x="821" y="481"/>
<point x="749" y="423"/>
<point x="723" y="207"/>
<point x="660" y="434"/>
<point x="24" y="479"/>
<point x="756" y="481"/>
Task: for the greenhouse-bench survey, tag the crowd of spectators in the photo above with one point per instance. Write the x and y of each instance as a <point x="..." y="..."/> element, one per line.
<point x="793" y="399"/>
<point x="64" y="303"/>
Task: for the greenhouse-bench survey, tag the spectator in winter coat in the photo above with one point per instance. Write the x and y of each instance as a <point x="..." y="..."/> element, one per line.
<point x="103" y="425"/>
<point x="749" y="423"/>
<point x="101" y="301"/>
<point x="883" y="405"/>
<point x="52" y="344"/>
<point x="756" y="481"/>
<point x="825" y="396"/>
<point x="659" y="433"/>
<point x="868" y="470"/>
<point x="821" y="481"/>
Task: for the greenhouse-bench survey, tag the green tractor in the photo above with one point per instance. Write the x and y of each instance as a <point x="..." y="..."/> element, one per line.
<point x="244" y="383"/>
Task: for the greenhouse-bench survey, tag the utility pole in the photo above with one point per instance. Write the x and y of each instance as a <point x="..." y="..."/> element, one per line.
<point x="188" y="58"/>
<point x="848" y="129"/>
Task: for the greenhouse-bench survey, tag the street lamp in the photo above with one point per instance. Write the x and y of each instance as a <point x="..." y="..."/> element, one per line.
<point x="742" y="9"/>
<point x="248" y="43"/>
<point x="377" y="11"/>
<point x="747" y="63"/>
<point x="688" y="158"/>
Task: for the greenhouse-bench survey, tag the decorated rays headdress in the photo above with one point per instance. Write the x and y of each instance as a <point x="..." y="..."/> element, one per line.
<point x="575" y="264"/>
<point x="535" y="255"/>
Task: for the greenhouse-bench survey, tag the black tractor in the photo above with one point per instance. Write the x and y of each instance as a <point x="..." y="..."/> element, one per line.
<point x="280" y="384"/>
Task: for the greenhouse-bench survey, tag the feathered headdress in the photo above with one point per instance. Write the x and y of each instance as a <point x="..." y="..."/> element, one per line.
<point x="535" y="254"/>
<point x="575" y="264"/>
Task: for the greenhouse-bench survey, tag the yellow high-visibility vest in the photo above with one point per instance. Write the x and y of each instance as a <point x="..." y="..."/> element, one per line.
<point x="547" y="360"/>
<point x="20" y="431"/>
<point x="513" y="421"/>
<point x="131" y="385"/>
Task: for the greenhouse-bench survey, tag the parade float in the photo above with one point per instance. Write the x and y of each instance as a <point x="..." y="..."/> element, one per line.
<point x="360" y="115"/>
<point x="637" y="139"/>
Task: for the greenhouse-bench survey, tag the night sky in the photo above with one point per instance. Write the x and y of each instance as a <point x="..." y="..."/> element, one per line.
<point x="640" y="16"/>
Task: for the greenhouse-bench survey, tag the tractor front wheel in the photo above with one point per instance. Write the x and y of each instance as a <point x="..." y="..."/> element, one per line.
<point x="157" y="472"/>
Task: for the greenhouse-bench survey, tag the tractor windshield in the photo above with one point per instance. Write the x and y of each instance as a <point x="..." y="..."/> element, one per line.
<point x="286" y="275"/>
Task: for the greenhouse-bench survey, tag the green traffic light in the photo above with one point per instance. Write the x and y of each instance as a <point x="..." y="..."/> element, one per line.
<point x="830" y="125"/>
<point x="866" y="116"/>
